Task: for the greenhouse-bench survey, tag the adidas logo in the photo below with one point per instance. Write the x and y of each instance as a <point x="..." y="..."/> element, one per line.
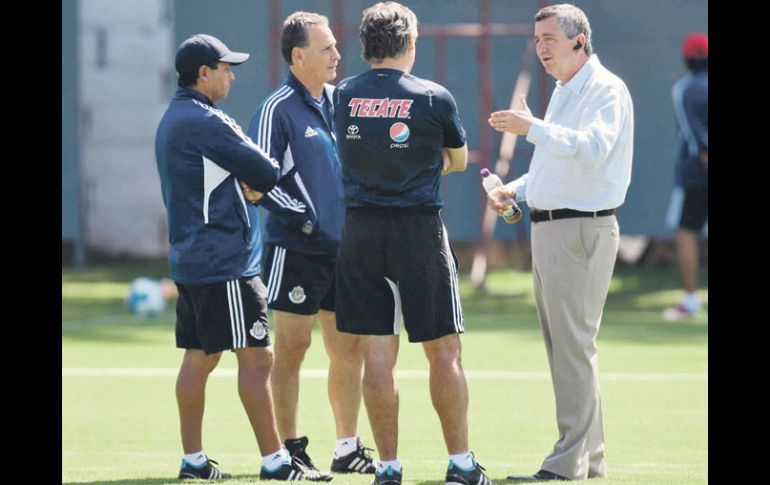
<point x="310" y="132"/>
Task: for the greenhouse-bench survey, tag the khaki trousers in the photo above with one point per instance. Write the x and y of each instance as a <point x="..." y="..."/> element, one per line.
<point x="573" y="260"/>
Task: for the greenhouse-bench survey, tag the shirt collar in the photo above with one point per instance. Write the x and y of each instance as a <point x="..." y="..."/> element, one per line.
<point x="191" y="93"/>
<point x="579" y="79"/>
<point x="292" y="81"/>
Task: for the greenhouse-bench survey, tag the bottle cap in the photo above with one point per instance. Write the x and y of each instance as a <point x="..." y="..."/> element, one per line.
<point x="484" y="172"/>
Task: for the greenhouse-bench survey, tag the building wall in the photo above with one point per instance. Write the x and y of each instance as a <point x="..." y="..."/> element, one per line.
<point x="124" y="71"/>
<point x="70" y="195"/>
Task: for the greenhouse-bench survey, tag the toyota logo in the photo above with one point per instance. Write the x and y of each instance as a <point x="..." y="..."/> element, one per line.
<point x="352" y="130"/>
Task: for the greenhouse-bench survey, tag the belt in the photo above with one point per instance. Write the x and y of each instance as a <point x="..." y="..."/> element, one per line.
<point x="540" y="216"/>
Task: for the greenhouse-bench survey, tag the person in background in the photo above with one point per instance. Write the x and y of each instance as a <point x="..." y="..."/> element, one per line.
<point x="689" y="208"/>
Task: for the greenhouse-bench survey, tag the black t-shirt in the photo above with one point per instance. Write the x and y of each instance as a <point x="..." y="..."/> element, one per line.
<point x="390" y="128"/>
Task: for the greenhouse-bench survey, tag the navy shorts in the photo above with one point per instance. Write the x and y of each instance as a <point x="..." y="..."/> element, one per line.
<point x="221" y="316"/>
<point x="297" y="282"/>
<point x="397" y="264"/>
<point x="695" y="210"/>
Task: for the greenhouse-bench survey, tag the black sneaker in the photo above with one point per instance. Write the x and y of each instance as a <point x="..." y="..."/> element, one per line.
<point x="206" y="471"/>
<point x="540" y="476"/>
<point x="295" y="470"/>
<point x="388" y="477"/>
<point x="456" y="475"/>
<point x="358" y="461"/>
<point x="296" y="448"/>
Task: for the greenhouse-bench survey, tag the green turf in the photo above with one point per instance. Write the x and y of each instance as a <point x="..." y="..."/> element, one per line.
<point x="124" y="430"/>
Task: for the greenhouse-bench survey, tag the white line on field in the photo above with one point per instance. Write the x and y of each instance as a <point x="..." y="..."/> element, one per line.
<point x="402" y="374"/>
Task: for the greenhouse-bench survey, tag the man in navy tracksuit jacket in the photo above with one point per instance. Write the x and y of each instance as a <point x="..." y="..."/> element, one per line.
<point x="305" y="214"/>
<point x="689" y="207"/>
<point x="210" y="172"/>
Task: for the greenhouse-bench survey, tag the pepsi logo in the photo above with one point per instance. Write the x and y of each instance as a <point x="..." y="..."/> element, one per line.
<point x="399" y="132"/>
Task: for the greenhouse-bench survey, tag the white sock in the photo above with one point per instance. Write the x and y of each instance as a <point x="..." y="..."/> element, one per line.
<point x="383" y="465"/>
<point x="197" y="458"/>
<point x="691" y="302"/>
<point x="274" y="460"/>
<point x="463" y="460"/>
<point x="346" y="446"/>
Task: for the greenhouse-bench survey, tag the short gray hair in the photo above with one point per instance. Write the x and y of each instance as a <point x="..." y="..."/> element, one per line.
<point x="571" y="20"/>
<point x="386" y="29"/>
<point x="294" y="32"/>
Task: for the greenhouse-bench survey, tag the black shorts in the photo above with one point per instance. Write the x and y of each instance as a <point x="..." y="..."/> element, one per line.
<point x="221" y="316"/>
<point x="297" y="282"/>
<point x="392" y="264"/>
<point x="695" y="210"/>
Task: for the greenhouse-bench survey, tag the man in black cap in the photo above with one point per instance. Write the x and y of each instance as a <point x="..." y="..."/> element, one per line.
<point x="209" y="171"/>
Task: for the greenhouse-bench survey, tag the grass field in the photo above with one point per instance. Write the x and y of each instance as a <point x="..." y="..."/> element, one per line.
<point x="120" y="423"/>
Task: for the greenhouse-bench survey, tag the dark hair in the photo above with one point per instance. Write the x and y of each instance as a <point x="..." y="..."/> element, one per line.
<point x="294" y="32"/>
<point x="386" y="30"/>
<point x="190" y="78"/>
<point x="696" y="65"/>
<point x="571" y="20"/>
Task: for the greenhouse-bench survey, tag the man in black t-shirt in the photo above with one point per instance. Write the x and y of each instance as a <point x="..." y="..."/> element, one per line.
<point x="394" y="257"/>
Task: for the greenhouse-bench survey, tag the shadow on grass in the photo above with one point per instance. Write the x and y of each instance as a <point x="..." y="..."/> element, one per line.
<point x="115" y="273"/>
<point x="498" y="480"/>
<point x="632" y="312"/>
<point x="245" y="478"/>
<point x="164" y="481"/>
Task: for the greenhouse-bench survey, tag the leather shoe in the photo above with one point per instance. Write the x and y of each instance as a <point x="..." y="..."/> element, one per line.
<point x="540" y="476"/>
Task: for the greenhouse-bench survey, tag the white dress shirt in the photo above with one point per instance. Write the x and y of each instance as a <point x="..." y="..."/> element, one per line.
<point x="583" y="146"/>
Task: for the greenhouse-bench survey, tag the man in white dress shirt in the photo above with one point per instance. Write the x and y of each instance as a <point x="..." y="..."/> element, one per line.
<point x="580" y="172"/>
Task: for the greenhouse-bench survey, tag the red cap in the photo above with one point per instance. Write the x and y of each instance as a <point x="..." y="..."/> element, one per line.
<point x="696" y="46"/>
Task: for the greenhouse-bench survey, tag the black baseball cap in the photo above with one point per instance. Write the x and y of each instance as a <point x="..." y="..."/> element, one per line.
<point x="203" y="49"/>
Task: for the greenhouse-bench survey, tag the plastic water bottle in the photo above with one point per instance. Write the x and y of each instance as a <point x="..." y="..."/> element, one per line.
<point x="491" y="181"/>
